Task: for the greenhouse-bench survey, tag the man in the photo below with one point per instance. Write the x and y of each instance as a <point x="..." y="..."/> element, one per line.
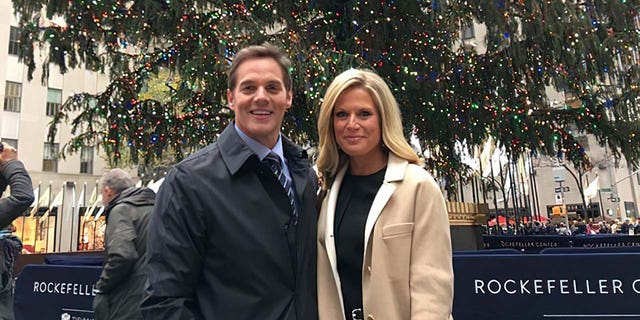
<point x="119" y="289"/>
<point x="229" y="238"/>
<point x="14" y="175"/>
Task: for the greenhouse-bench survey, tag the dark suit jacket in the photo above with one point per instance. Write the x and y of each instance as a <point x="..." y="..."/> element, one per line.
<point x="222" y="244"/>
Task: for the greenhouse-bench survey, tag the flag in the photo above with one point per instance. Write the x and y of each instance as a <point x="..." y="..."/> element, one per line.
<point x="43" y="201"/>
<point x="485" y="157"/>
<point x="57" y="201"/>
<point x="415" y="144"/>
<point x="98" y="214"/>
<point x="90" y="202"/>
<point x="156" y="185"/>
<point x="80" y="202"/>
<point x="34" y="205"/>
<point x="94" y="205"/>
<point x="523" y="172"/>
<point x="592" y="190"/>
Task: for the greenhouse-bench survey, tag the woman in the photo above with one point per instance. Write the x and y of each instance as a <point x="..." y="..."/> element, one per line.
<point x="384" y="249"/>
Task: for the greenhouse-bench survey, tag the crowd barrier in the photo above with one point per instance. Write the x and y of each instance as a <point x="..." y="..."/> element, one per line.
<point x="503" y="284"/>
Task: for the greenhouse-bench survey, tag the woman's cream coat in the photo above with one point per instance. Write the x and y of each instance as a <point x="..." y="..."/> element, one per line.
<point x="407" y="268"/>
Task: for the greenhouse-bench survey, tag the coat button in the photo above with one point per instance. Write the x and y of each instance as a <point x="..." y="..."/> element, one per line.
<point x="370" y="317"/>
<point x="369" y="268"/>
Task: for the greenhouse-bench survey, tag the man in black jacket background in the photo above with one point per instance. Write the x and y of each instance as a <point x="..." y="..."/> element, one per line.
<point x="14" y="175"/>
<point x="119" y="289"/>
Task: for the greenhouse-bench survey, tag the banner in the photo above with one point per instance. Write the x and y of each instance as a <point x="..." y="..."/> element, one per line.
<point x="606" y="241"/>
<point x="558" y="287"/>
<point x="527" y="244"/>
<point x="55" y="292"/>
<point x="535" y="243"/>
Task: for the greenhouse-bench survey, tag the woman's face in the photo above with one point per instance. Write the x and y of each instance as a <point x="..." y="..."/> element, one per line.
<point x="356" y="124"/>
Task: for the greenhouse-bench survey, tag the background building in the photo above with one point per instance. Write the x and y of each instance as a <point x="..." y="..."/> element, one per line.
<point x="546" y="181"/>
<point x="27" y="108"/>
<point x="29" y="105"/>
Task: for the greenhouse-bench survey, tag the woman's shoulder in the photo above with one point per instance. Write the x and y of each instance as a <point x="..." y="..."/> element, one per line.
<point x="417" y="172"/>
<point x="417" y="175"/>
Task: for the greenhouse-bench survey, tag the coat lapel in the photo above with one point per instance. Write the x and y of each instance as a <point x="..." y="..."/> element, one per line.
<point x="329" y="237"/>
<point x="395" y="172"/>
<point x="299" y="167"/>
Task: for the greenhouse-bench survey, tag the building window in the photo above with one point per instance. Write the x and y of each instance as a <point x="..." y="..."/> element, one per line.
<point x="12" y="96"/>
<point x="14" y="41"/>
<point x="467" y="31"/>
<point x="50" y="159"/>
<point x="86" y="160"/>
<point x="54" y="100"/>
<point x="11" y="142"/>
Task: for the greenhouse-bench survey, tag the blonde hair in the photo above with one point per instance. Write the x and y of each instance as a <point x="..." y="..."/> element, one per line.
<point x="331" y="158"/>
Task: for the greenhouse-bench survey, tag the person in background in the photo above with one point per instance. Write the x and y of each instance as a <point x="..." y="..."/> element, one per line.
<point x="233" y="233"/>
<point x="563" y="230"/>
<point x="14" y="175"/>
<point x="119" y="289"/>
<point x="384" y="248"/>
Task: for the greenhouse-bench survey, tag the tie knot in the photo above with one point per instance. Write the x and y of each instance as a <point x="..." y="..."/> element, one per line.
<point x="273" y="161"/>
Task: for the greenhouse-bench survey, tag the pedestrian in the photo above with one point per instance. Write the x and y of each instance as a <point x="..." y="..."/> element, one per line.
<point x="126" y="208"/>
<point x="384" y="248"/>
<point x="14" y="175"/>
<point x="233" y="232"/>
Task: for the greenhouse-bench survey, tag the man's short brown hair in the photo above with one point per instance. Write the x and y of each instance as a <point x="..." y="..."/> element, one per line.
<point x="265" y="50"/>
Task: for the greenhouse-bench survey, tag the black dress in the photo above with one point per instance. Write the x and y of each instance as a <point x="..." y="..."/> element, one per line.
<point x="352" y="208"/>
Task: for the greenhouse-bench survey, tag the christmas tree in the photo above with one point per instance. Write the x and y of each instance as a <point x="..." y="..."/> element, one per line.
<point x="449" y="91"/>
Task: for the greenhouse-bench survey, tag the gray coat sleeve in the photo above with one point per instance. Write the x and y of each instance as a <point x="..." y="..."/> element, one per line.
<point x="120" y="248"/>
<point x="14" y="174"/>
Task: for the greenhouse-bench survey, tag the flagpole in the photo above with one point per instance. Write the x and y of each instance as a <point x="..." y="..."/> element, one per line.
<point x="24" y="218"/>
<point x="46" y="235"/>
<point x="59" y="214"/>
<point x="73" y="210"/>
<point x="514" y="192"/>
<point x="484" y="195"/>
<point x="77" y="216"/>
<point x="534" y="187"/>
<point x="35" y="207"/>
<point x="524" y="194"/>
<point x="495" y="199"/>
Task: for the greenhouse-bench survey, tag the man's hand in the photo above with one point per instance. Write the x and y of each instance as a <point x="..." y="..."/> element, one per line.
<point x="8" y="153"/>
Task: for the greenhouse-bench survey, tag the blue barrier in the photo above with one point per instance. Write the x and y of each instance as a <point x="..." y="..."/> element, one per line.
<point x="77" y="260"/>
<point x="587" y="250"/>
<point x="558" y="287"/>
<point x="489" y="284"/>
<point x="487" y="251"/>
<point x="55" y="292"/>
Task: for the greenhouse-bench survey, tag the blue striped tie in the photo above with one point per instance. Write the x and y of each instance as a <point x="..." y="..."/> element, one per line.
<point x="273" y="161"/>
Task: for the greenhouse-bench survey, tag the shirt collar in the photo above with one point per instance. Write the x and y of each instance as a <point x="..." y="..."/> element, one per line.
<point x="261" y="150"/>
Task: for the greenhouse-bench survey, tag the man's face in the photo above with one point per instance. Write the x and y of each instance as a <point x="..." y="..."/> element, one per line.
<point x="107" y="195"/>
<point x="260" y="99"/>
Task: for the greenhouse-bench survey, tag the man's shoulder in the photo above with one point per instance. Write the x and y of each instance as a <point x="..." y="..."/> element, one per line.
<point x="209" y="154"/>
